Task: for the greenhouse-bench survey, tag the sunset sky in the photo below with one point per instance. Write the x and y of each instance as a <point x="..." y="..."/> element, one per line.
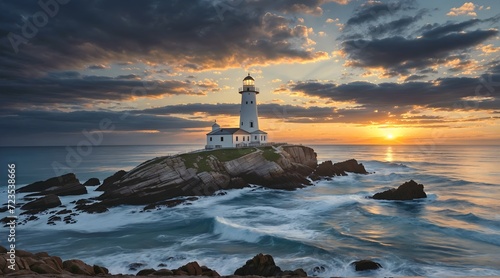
<point x="329" y="71"/>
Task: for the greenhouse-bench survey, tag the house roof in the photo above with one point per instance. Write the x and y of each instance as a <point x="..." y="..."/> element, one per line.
<point x="258" y="132"/>
<point x="227" y="131"/>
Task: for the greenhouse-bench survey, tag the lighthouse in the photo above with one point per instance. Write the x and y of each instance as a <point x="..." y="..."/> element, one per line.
<point x="248" y="134"/>
<point x="249" y="119"/>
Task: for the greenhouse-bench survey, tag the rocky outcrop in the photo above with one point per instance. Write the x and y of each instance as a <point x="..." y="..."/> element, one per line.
<point x="263" y="265"/>
<point x="30" y="264"/>
<point x="92" y="182"/>
<point x="363" y="265"/>
<point x="41" y="204"/>
<point x="328" y="169"/>
<point x="203" y="173"/>
<point x="107" y="183"/>
<point x="63" y="185"/>
<point x="407" y="191"/>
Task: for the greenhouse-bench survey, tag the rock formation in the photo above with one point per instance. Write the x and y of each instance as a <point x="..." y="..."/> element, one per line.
<point x="30" y="264"/>
<point x="92" y="182"/>
<point x="263" y="265"/>
<point x="63" y="185"/>
<point x="203" y="173"/>
<point x="407" y="191"/>
<point x="41" y="204"/>
<point x="328" y="169"/>
<point x="363" y="265"/>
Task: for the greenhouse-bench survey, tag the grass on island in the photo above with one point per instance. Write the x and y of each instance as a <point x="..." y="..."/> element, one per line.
<point x="200" y="159"/>
<point x="269" y="154"/>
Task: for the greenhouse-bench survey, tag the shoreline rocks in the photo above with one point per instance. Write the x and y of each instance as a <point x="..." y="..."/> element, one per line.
<point x="63" y="185"/>
<point x="328" y="169"/>
<point x="407" y="191"/>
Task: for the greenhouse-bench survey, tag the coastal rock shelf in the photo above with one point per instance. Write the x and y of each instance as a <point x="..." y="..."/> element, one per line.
<point x="203" y="173"/>
<point x="172" y="180"/>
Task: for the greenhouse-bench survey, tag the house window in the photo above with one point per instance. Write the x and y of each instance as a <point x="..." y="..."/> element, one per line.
<point x="248" y="138"/>
<point x="251" y="124"/>
<point x="251" y="102"/>
<point x="222" y="138"/>
<point x="243" y="138"/>
<point x="236" y="138"/>
<point x="256" y="137"/>
<point x="247" y="102"/>
<point x="210" y="138"/>
<point x="264" y="138"/>
<point x="241" y="122"/>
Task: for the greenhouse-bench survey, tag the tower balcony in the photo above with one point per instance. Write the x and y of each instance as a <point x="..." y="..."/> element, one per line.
<point x="248" y="89"/>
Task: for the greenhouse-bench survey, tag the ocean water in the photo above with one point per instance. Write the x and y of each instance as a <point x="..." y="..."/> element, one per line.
<point x="454" y="232"/>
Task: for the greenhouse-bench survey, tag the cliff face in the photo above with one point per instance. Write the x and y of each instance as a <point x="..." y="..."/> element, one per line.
<point x="203" y="173"/>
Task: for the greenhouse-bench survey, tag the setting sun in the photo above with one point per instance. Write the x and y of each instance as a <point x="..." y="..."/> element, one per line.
<point x="390" y="136"/>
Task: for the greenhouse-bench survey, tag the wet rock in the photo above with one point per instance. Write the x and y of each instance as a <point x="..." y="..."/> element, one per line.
<point x="261" y="265"/>
<point x="41" y="204"/>
<point x="93" y="208"/>
<point x="135" y="266"/>
<point x="50" y="183"/>
<point x="319" y="269"/>
<point x="108" y="182"/>
<point x="92" y="182"/>
<point x="64" y="211"/>
<point x="78" y="267"/>
<point x="163" y="272"/>
<point x="329" y="169"/>
<point x="146" y="272"/>
<point x="43" y="268"/>
<point x="54" y="218"/>
<point x="407" y="191"/>
<point x="100" y="270"/>
<point x="363" y="265"/>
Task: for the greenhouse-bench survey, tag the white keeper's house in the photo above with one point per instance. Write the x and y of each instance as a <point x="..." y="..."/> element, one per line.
<point x="248" y="134"/>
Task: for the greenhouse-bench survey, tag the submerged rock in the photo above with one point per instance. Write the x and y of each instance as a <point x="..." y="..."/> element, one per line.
<point x="363" y="265"/>
<point x="407" y="191"/>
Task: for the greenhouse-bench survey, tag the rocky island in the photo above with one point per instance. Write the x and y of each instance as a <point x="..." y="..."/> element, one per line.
<point x="171" y="180"/>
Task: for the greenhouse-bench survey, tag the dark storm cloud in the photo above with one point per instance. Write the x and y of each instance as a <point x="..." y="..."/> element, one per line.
<point x="436" y="30"/>
<point x="444" y="93"/>
<point x="399" y="54"/>
<point x="185" y="34"/>
<point x="369" y="12"/>
<point x="72" y="88"/>
<point x="56" y="122"/>
<point x="373" y="39"/>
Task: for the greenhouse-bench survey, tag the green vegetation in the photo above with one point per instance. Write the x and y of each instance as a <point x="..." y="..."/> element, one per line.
<point x="200" y="159"/>
<point x="269" y="154"/>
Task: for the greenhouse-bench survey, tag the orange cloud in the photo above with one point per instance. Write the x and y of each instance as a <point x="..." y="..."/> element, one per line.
<point x="466" y="9"/>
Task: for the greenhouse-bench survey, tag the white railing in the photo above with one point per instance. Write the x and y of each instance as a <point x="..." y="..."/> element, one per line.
<point x="251" y="89"/>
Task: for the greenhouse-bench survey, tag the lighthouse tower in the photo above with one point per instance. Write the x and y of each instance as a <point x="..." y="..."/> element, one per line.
<point x="249" y="119"/>
<point x="248" y="134"/>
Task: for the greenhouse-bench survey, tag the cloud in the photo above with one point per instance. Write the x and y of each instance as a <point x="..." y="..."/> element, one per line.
<point x="467" y="8"/>
<point x="373" y="10"/>
<point x="435" y="31"/>
<point x="399" y="54"/>
<point x="451" y="93"/>
<point x="190" y="36"/>
<point x="71" y="88"/>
